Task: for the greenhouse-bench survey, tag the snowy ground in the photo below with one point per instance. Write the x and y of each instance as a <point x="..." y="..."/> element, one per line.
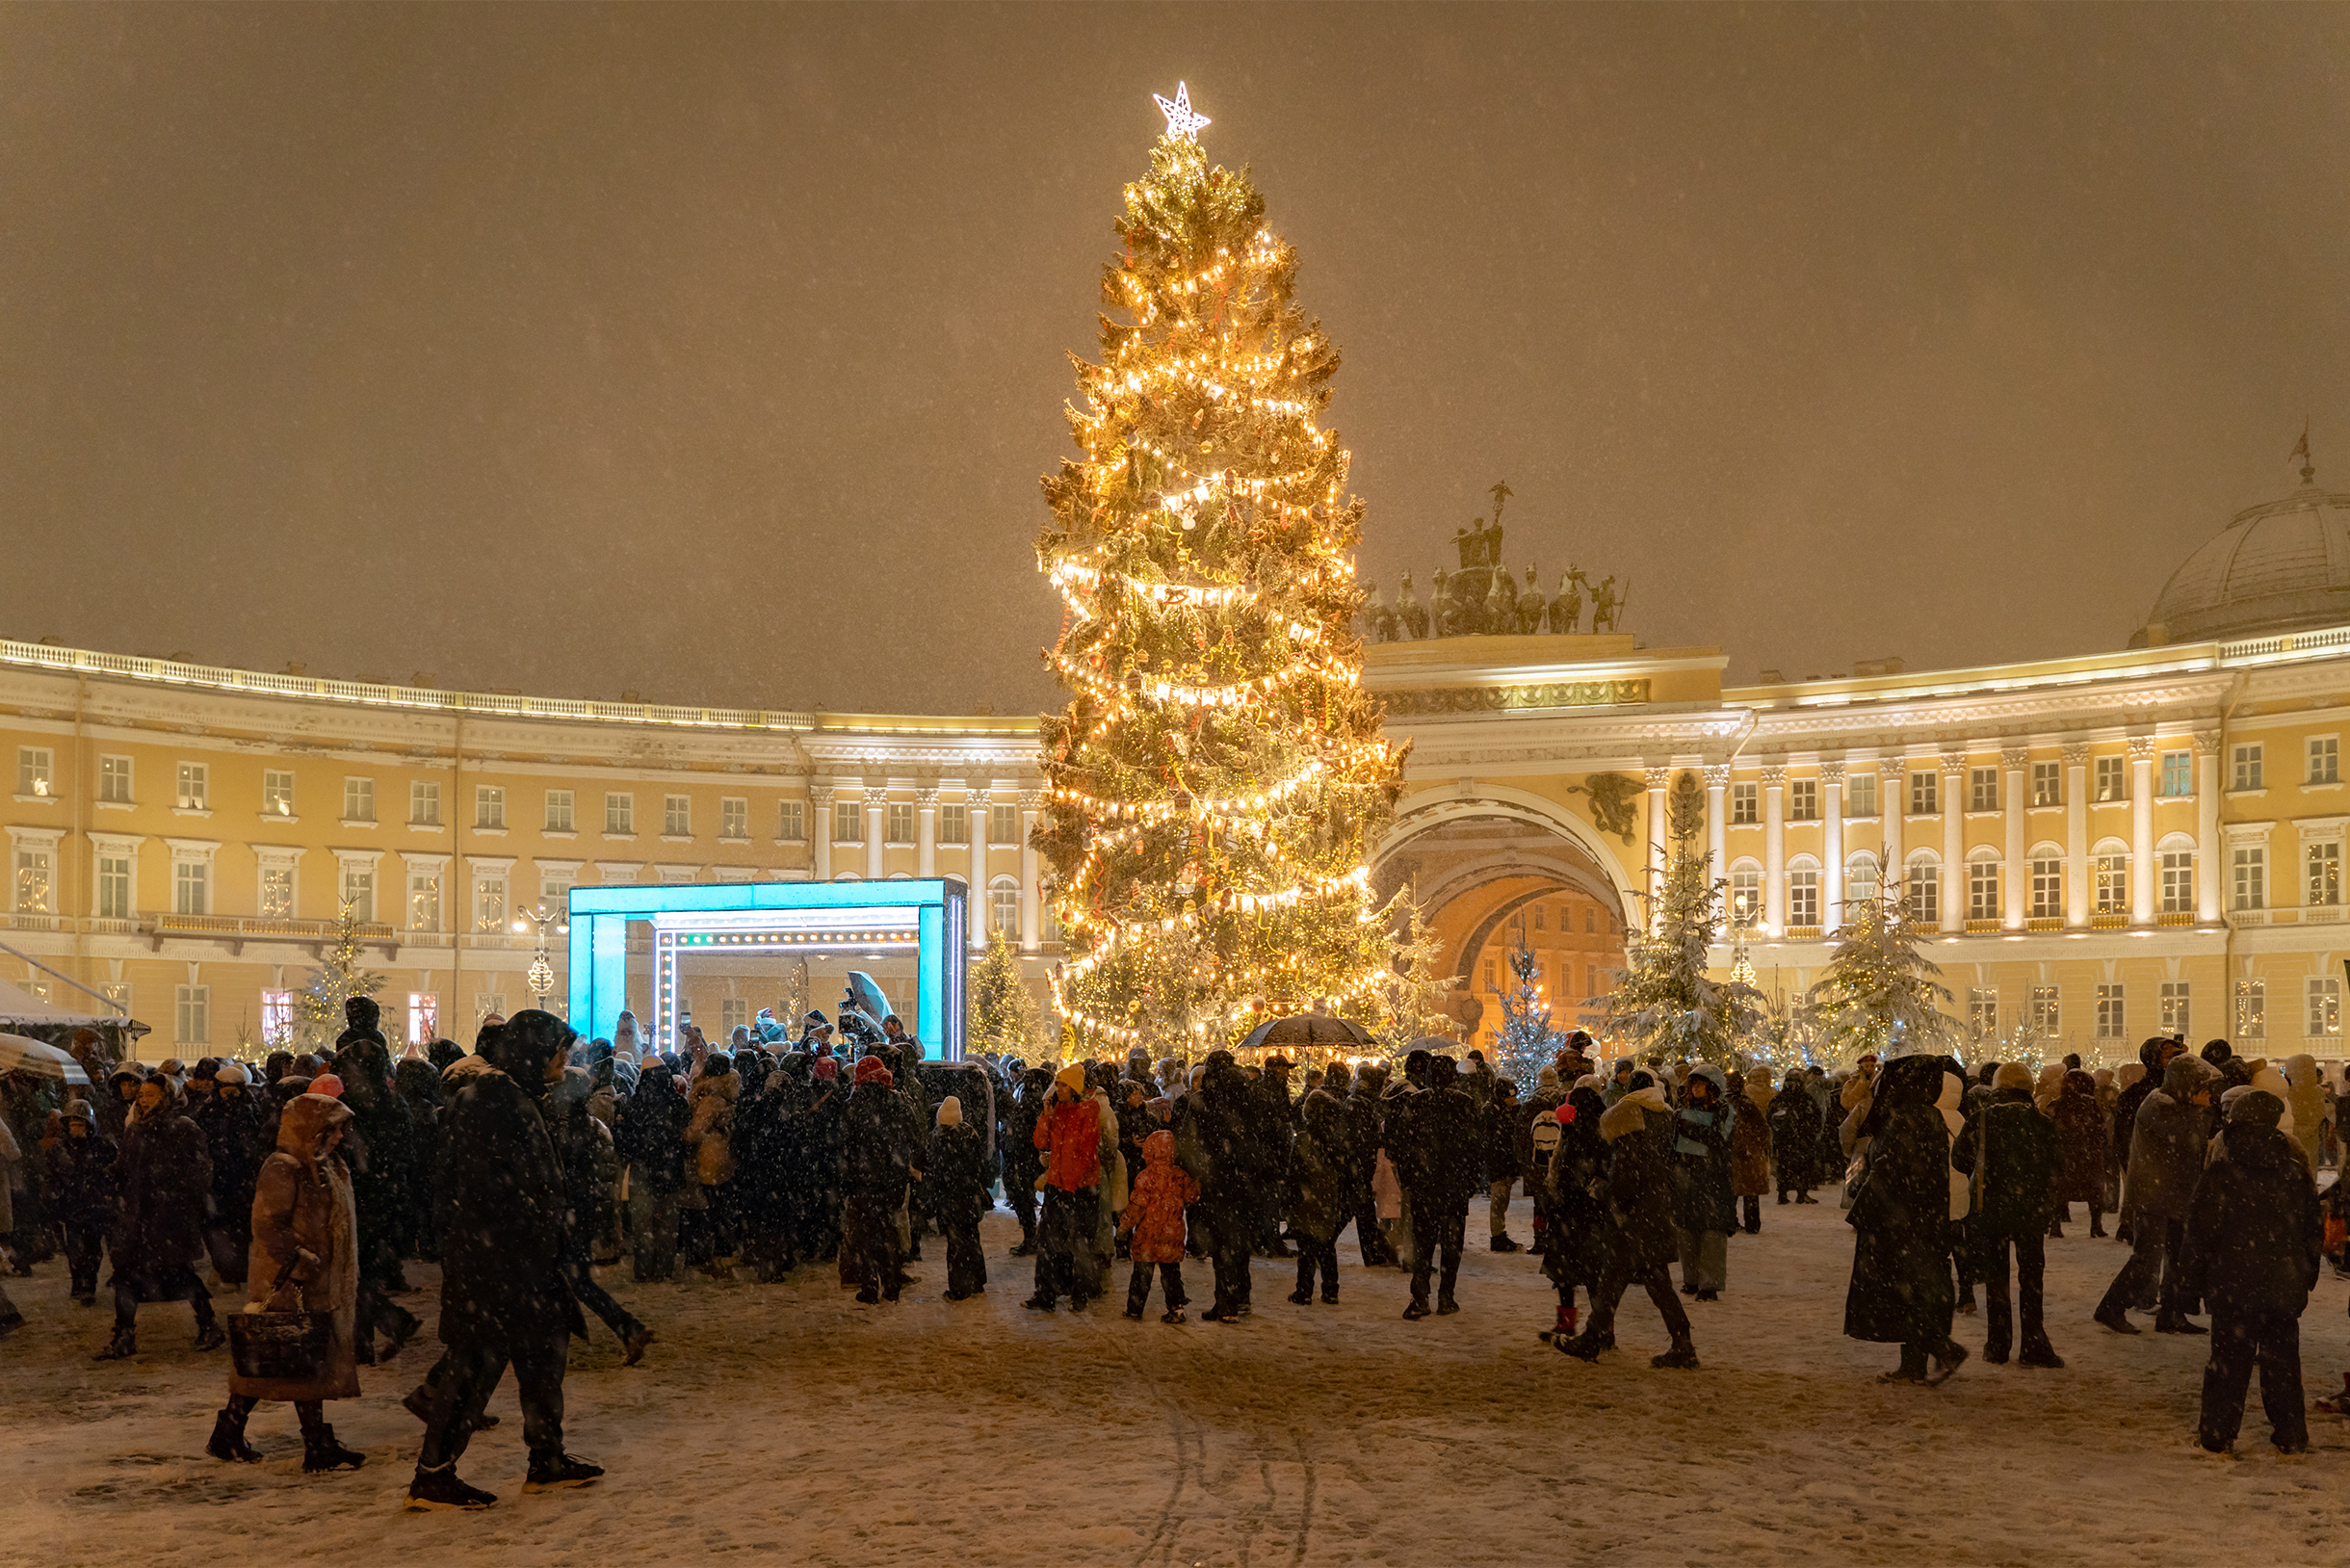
<point x="788" y="1423"/>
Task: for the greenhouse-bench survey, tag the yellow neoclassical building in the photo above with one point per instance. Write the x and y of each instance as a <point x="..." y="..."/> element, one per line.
<point x="2106" y="844"/>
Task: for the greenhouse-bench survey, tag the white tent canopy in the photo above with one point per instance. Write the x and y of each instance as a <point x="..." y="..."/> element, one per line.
<point x="20" y="1010"/>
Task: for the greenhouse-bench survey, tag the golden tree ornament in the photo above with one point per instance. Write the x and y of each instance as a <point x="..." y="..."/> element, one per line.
<point x="1218" y="776"/>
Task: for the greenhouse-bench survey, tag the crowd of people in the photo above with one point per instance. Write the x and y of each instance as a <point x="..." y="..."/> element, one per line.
<point x="524" y="1165"/>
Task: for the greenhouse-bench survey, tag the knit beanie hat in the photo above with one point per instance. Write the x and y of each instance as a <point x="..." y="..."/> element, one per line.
<point x="2255" y="1106"/>
<point x="2011" y="1075"/>
<point x="951" y="1111"/>
<point x="231" y="1072"/>
<point x="1073" y="1077"/>
<point x="328" y="1084"/>
<point x="868" y="1070"/>
<point x="826" y="1069"/>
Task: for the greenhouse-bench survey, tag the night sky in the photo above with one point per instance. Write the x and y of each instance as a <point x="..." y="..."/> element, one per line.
<point x="714" y="353"/>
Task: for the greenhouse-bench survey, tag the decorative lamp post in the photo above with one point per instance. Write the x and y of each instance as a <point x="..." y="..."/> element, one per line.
<point x="542" y="974"/>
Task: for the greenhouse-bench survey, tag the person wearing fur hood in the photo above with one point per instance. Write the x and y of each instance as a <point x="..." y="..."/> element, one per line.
<point x="305" y="1240"/>
<point x="709" y="1197"/>
<point x="1904" y="1205"/>
<point x="1643" y="1242"/>
<point x="2166" y="1154"/>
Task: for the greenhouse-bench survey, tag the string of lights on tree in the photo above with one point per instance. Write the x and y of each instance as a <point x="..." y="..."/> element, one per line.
<point x="1217" y="775"/>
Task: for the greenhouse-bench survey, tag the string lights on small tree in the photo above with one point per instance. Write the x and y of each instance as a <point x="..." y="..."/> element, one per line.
<point x="1218" y="774"/>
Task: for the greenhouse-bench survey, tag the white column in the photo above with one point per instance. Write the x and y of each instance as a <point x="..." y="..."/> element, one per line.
<point x="1659" y="780"/>
<point x="1832" y="845"/>
<point x="876" y="832"/>
<point x="1717" y="822"/>
<point x="2076" y="834"/>
<point x="926" y="830"/>
<point x="820" y="827"/>
<point x="1774" y="849"/>
<point x="2017" y="882"/>
<point x="1892" y="800"/>
<point x="2208" y="860"/>
<point x="2142" y="829"/>
<point x="1953" y="841"/>
<point x="1031" y="903"/>
<point x="975" y="818"/>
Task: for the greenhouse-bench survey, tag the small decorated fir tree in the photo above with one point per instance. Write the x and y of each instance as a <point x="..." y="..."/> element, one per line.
<point x="1526" y="1041"/>
<point x="1666" y="1003"/>
<point x="1880" y="994"/>
<point x="318" y="1007"/>
<point x="1004" y="1018"/>
<point x="1408" y="1002"/>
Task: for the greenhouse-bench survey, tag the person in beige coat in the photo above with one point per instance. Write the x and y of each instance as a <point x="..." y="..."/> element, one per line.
<point x="304" y="1259"/>
<point x="710" y="1138"/>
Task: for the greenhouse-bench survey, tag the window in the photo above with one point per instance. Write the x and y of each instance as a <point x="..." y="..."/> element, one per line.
<point x="734" y="1012"/>
<point x="195" y="786"/>
<point x="2249" y="865"/>
<point x="36" y="879"/>
<point x="358" y="800"/>
<point x="1982" y="890"/>
<point x="2112" y="1016"/>
<point x="1926" y="794"/>
<point x="558" y="811"/>
<point x="1925" y="893"/>
<point x="37" y="771"/>
<point x="1742" y="807"/>
<point x="1489" y="985"/>
<point x="792" y="821"/>
<point x="2175" y="1019"/>
<point x="2112" y="780"/>
<point x="489" y="807"/>
<point x="1860" y="879"/>
<point x="2178" y="774"/>
<point x="2045" y="1016"/>
<point x="2112" y="884"/>
<point x="2325" y="873"/>
<point x="1803" y="897"/>
<point x="1982" y="1012"/>
<point x="848" y="823"/>
<point x="2325" y="1016"/>
<point x="620" y="814"/>
<point x="2325" y="760"/>
<point x="1803" y="801"/>
<point x="1591" y="918"/>
<point x="2048" y="888"/>
<point x="360" y="890"/>
<point x="1861" y="796"/>
<point x="114" y="887"/>
<point x="276" y="1018"/>
<point x="1004" y="824"/>
<point x="1541" y="918"/>
<point x="677" y="816"/>
<point x="424" y="1017"/>
<point x="115" y="780"/>
<point x="276" y="793"/>
<point x="2251" y="1009"/>
<point x="277" y="892"/>
<point x="1003" y="909"/>
<point x="2178" y="882"/>
<point x="1745" y="895"/>
<point x="555" y="891"/>
<point x="2047" y="783"/>
<point x="489" y="903"/>
<point x="955" y="824"/>
<point x="734" y="817"/>
<point x="192" y="1014"/>
<point x="900" y="821"/>
<point x="1983" y="789"/>
<point x="191" y="887"/>
<point x="2247" y="771"/>
<point x="424" y="900"/>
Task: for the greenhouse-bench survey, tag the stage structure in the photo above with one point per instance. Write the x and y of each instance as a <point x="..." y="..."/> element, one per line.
<point x="930" y="915"/>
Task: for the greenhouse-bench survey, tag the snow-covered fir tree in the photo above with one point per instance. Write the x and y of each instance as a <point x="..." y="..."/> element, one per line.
<point x="1880" y="993"/>
<point x="1526" y="1043"/>
<point x="1666" y="1003"/>
<point x="318" y="1007"/>
<point x="1409" y="999"/>
<point x="1004" y="1016"/>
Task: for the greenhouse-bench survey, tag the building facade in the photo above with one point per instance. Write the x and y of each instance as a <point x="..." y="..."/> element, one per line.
<point x="2105" y="845"/>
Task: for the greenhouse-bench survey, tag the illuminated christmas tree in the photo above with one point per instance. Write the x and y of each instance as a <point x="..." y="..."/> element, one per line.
<point x="318" y="1007"/>
<point x="1526" y="1043"/>
<point x="1407" y="1003"/>
<point x="1880" y="994"/>
<point x="1004" y="1016"/>
<point x="1666" y="1003"/>
<point x="1218" y="774"/>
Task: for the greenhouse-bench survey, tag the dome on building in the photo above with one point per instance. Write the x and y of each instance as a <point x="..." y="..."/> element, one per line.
<point x="2276" y="567"/>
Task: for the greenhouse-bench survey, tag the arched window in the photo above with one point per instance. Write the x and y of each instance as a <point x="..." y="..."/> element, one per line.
<point x="1922" y="887"/>
<point x="2045" y="865"/>
<point x="1803" y="891"/>
<point x="1983" y="883"/>
<point x="1745" y="892"/>
<point x="1860" y="881"/>
<point x="2109" y="874"/>
<point x="1003" y="907"/>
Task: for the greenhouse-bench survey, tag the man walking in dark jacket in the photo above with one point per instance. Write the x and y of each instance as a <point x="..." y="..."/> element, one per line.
<point x="499" y="1192"/>
<point x="2254" y="1236"/>
<point x="2010" y="1149"/>
<point x="1642" y="1243"/>
<point x="2166" y="1154"/>
<point x="1442" y="1166"/>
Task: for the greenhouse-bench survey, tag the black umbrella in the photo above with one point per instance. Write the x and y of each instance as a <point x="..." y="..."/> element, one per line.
<point x="1308" y="1030"/>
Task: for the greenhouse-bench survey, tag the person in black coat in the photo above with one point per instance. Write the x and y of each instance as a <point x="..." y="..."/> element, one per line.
<point x="2253" y="1239"/>
<point x="1221" y="1131"/>
<point x="2012" y="1153"/>
<point x="650" y="1140"/>
<point x="876" y="1165"/>
<point x="1642" y="1240"/>
<point x="1365" y="1121"/>
<point x="582" y="1150"/>
<point x="1503" y="1134"/>
<point x="501" y="1199"/>
<point x="1574" y="1219"/>
<point x="381" y="1143"/>
<point x="1021" y="1163"/>
<point x="81" y="1172"/>
<point x="1441" y="1168"/>
<point x="1704" y="1206"/>
<point x="231" y="1121"/>
<point x="1794" y="1139"/>
<point x="1273" y="1131"/>
<point x="766" y="1131"/>
<point x="1901" y="1288"/>
<point x="163" y="1175"/>
<point x="956" y="1181"/>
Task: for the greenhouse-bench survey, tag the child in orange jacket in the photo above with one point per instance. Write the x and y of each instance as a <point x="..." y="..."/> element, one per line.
<point x="1154" y="1224"/>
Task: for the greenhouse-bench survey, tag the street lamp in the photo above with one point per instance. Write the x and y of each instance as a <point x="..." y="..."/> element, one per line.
<point x="541" y="975"/>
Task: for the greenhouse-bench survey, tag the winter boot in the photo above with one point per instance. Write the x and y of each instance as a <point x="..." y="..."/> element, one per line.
<point x="122" y="1347"/>
<point x="321" y="1451"/>
<point x="1446" y="1306"/>
<point x="2114" y="1319"/>
<point x="1587" y="1345"/>
<point x="1683" y="1355"/>
<point x="2042" y="1354"/>
<point x="2179" y="1325"/>
<point x="559" y="1470"/>
<point x="1416" y="1311"/>
<point x="209" y="1337"/>
<point x="635" y="1342"/>
<point x="228" y="1439"/>
<point x="1562" y="1330"/>
<point x="439" y="1488"/>
<point x="1505" y="1243"/>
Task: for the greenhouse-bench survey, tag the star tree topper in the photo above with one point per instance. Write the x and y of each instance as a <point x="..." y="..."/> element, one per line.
<point x="1181" y="121"/>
